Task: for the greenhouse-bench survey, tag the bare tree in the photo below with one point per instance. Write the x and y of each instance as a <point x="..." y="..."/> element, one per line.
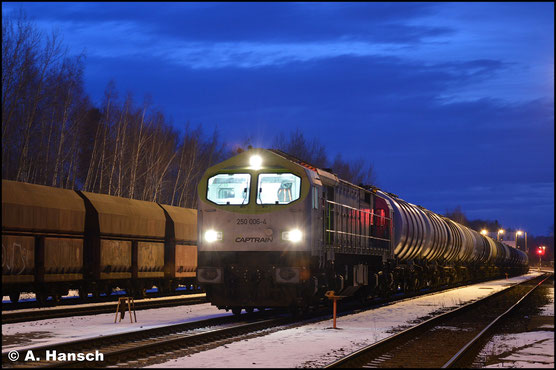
<point x="313" y="152"/>
<point x="140" y="139"/>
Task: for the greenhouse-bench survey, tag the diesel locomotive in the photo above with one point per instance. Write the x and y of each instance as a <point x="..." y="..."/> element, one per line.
<point x="275" y="231"/>
<point x="57" y="239"/>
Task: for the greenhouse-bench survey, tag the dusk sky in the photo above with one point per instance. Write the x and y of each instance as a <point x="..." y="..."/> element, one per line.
<point x="452" y="103"/>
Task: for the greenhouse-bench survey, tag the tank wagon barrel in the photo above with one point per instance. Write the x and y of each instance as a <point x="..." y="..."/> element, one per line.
<point x="56" y="239"/>
<point x="275" y="231"/>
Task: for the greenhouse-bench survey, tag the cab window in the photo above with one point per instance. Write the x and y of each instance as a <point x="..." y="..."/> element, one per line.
<point x="229" y="189"/>
<point x="278" y="188"/>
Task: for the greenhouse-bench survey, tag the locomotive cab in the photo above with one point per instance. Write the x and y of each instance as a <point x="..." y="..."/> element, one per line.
<point x="254" y="231"/>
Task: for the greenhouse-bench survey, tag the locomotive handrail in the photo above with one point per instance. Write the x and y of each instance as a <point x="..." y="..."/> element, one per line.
<point x="358" y="235"/>
<point x="358" y="209"/>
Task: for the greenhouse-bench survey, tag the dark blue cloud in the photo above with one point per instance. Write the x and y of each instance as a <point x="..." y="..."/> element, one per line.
<point x="451" y="105"/>
<point x="275" y="22"/>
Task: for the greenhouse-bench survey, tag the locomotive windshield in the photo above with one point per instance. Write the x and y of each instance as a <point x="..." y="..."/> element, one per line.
<point x="229" y="189"/>
<point x="278" y="188"/>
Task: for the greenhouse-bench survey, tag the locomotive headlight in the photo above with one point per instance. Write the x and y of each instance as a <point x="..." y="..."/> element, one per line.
<point x="256" y="162"/>
<point x="293" y="236"/>
<point x="213" y="235"/>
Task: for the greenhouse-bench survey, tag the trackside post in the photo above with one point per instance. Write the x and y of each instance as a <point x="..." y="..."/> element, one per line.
<point x="330" y="295"/>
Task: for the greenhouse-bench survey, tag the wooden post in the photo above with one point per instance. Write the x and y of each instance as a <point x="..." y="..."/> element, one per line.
<point x="130" y="302"/>
<point x="117" y="311"/>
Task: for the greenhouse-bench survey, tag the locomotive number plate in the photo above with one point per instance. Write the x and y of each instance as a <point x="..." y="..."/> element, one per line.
<point x="251" y="221"/>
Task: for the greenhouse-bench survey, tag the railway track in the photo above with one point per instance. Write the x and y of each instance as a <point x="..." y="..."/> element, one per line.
<point x="141" y="345"/>
<point x="10" y="317"/>
<point x="447" y="340"/>
<point x="76" y="300"/>
<point x="120" y="348"/>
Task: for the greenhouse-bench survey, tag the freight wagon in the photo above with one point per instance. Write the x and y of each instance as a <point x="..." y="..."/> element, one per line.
<point x="57" y="239"/>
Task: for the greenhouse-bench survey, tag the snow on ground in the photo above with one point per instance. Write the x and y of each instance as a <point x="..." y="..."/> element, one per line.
<point x="318" y="344"/>
<point x="60" y="330"/>
<point x="312" y="345"/>
<point x="533" y="349"/>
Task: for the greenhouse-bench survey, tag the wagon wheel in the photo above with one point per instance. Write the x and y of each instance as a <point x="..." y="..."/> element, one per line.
<point x="40" y="298"/>
<point x="236" y="311"/>
<point x="138" y="293"/>
<point x="249" y="310"/>
<point x="14" y="297"/>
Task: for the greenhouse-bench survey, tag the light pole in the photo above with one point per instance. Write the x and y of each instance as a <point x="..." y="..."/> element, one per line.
<point x="484" y="232"/>
<point x="501" y="231"/>
<point x="518" y="232"/>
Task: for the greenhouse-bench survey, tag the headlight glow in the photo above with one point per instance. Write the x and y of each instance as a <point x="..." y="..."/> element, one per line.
<point x="213" y="235"/>
<point x="256" y="162"/>
<point x="293" y="236"/>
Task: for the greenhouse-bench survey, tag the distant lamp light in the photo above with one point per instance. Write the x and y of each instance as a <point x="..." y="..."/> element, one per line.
<point x="501" y="231"/>
<point x="256" y="162"/>
<point x="519" y="232"/>
<point x="484" y="231"/>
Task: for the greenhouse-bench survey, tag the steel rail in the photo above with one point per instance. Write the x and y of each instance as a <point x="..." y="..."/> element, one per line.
<point x="77" y="346"/>
<point x="464" y="351"/>
<point x="121" y="348"/>
<point x="84" y="345"/>
<point x="357" y="358"/>
<point x="94" y="308"/>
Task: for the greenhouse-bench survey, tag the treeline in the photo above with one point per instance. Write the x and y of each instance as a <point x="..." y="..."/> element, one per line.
<point x="457" y="215"/>
<point x="533" y="242"/>
<point x="313" y="152"/>
<point x="52" y="134"/>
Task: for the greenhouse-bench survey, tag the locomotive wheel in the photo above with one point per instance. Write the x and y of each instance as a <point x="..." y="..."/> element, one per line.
<point x="236" y="311"/>
<point x="14" y="297"/>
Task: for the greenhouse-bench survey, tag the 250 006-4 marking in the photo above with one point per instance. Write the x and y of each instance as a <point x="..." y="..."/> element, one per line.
<point x="251" y="221"/>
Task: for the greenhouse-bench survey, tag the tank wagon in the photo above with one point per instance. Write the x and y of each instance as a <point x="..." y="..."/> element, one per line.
<point x="57" y="239"/>
<point x="275" y="231"/>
